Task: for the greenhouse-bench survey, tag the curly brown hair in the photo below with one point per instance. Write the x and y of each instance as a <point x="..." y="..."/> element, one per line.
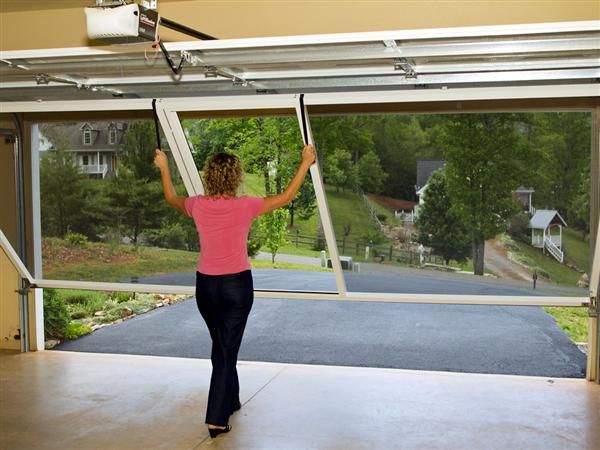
<point x="223" y="174"/>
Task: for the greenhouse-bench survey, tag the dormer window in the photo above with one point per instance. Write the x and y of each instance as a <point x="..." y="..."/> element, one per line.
<point x="87" y="137"/>
<point x="112" y="136"/>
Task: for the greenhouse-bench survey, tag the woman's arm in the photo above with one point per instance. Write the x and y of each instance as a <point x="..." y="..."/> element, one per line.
<point x="277" y="201"/>
<point x="160" y="161"/>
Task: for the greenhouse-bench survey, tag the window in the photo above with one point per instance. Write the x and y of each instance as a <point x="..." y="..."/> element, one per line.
<point x="101" y="159"/>
<point x="87" y="137"/>
<point x="112" y="136"/>
<point x="85" y="160"/>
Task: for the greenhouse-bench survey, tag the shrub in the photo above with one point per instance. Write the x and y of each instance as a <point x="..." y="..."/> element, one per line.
<point x="73" y="297"/>
<point x="319" y="244"/>
<point x="168" y="236"/>
<point x="113" y="242"/>
<point x="542" y="273"/>
<point x="373" y="238"/>
<point x="121" y="297"/>
<point x="78" y="314"/>
<point x="382" y="217"/>
<point x="93" y="304"/>
<point x="76" y="330"/>
<point x="519" y="227"/>
<point x="75" y="239"/>
<point x="255" y="242"/>
<point x="56" y="315"/>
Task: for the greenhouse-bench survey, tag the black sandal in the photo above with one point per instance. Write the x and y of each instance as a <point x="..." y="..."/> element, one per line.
<point x="214" y="432"/>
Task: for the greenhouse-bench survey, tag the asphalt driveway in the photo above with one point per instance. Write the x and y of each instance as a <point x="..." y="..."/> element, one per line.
<point x="520" y="340"/>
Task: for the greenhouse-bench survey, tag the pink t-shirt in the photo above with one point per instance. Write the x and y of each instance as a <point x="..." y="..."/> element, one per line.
<point x="223" y="225"/>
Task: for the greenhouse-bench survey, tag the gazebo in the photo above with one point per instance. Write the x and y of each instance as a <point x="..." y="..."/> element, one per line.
<point x="543" y="235"/>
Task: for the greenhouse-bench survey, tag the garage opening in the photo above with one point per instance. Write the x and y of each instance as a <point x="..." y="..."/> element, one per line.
<point x="362" y="158"/>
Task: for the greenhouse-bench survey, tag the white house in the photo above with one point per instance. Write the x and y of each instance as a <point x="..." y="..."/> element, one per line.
<point x="424" y="170"/>
<point x="95" y="145"/>
<point x="546" y="232"/>
<point x="524" y="195"/>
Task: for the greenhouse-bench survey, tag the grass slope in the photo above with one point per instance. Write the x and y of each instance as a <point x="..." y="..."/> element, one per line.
<point x="577" y="249"/>
<point x="345" y="207"/>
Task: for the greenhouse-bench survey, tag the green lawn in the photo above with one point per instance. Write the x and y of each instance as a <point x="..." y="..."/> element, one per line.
<point x="148" y="261"/>
<point x="577" y="250"/>
<point x="574" y="321"/>
<point x="256" y="264"/>
<point x="254" y="185"/>
<point x="144" y="261"/>
<point x="301" y="250"/>
<point x="345" y="207"/>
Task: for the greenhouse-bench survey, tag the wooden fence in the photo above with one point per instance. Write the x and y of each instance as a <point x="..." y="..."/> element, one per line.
<point x="377" y="253"/>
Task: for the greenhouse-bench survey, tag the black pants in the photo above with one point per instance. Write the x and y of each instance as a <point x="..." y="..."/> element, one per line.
<point x="224" y="302"/>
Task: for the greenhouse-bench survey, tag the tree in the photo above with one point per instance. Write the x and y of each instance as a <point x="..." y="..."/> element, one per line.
<point x="135" y="193"/>
<point x="273" y="230"/>
<point x="136" y="204"/>
<point x="268" y="147"/>
<point x="370" y="174"/>
<point x="137" y="147"/>
<point x="339" y="170"/>
<point x="64" y="195"/>
<point x="440" y="226"/>
<point x="353" y="133"/>
<point x="486" y="159"/>
<point x="398" y="141"/>
<point x="563" y="139"/>
<point x="581" y="204"/>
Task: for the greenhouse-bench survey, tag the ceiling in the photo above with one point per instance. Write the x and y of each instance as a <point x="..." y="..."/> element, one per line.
<point x="514" y="55"/>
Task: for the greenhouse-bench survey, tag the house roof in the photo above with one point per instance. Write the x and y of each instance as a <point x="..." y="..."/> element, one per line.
<point x="544" y="217"/>
<point x="424" y="170"/>
<point x="73" y="133"/>
<point x="392" y="203"/>
<point x="524" y="190"/>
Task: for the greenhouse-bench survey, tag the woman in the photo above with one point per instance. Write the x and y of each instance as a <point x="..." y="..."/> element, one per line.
<point x="224" y="289"/>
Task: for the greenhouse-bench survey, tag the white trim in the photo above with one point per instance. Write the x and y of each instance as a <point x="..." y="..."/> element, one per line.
<point x="112" y="135"/>
<point x="551" y="28"/>
<point x="454" y="94"/>
<point x="37" y="295"/>
<point x="595" y="272"/>
<point x="14" y="258"/>
<point x="323" y="208"/>
<point x="325" y="296"/>
<point x="285" y="101"/>
<point x="171" y="126"/>
<point x="87" y="134"/>
<point x="78" y="105"/>
<point x="36" y="202"/>
<point x="468" y="299"/>
<point x="234" y="102"/>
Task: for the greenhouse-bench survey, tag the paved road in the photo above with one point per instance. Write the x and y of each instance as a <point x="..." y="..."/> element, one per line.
<point x="482" y="339"/>
<point x="381" y="278"/>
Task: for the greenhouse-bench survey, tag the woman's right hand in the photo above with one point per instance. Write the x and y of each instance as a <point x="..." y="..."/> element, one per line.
<point x="309" y="154"/>
<point x="160" y="159"/>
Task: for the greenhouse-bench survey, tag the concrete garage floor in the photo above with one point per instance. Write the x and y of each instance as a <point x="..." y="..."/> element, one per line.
<point x="66" y="400"/>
